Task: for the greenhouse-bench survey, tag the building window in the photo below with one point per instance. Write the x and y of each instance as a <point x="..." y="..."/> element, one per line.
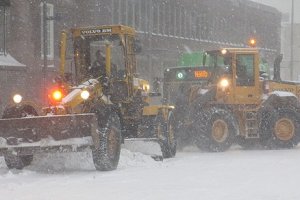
<point x="130" y="14"/>
<point x="205" y="27"/>
<point x="137" y="15"/>
<point x="172" y="12"/>
<point x="182" y="22"/>
<point x="193" y="17"/>
<point x="162" y="19"/>
<point x="116" y="11"/>
<point x="123" y="11"/>
<point x="155" y="17"/>
<point x="3" y="22"/>
<point x="2" y="29"/>
<point x="50" y="31"/>
<point x="144" y="21"/>
<point x="177" y="21"/>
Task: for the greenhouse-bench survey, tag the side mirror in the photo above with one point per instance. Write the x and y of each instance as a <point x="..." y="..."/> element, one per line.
<point x="68" y="77"/>
<point x="137" y="45"/>
<point x="58" y="79"/>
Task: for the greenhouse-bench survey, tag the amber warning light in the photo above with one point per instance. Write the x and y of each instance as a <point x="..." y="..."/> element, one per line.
<point x="201" y="74"/>
<point x="252" y="42"/>
<point x="57" y="95"/>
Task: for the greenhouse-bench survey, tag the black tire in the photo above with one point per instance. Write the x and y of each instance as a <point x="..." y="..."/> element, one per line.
<point x="17" y="162"/>
<point x="106" y="156"/>
<point x="19" y="112"/>
<point x="165" y="131"/>
<point x="220" y="130"/>
<point x="284" y="129"/>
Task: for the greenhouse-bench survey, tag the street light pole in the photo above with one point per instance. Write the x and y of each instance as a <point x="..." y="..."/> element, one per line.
<point x="292" y="40"/>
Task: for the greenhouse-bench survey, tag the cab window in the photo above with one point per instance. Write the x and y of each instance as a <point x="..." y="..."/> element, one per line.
<point x="245" y="70"/>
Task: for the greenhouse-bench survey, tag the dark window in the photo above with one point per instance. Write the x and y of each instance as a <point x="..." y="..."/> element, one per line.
<point x="182" y="22"/>
<point x="2" y="29"/>
<point x="155" y="17"/>
<point x="162" y="23"/>
<point x="123" y="10"/>
<point x="144" y="16"/>
<point x="5" y="3"/>
<point x="116" y="11"/>
<point x="177" y="21"/>
<point x="245" y="70"/>
<point x="167" y="17"/>
<point x="137" y="15"/>
<point x="172" y="12"/>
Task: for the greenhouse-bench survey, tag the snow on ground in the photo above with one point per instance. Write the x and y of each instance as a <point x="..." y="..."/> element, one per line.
<point x="233" y="175"/>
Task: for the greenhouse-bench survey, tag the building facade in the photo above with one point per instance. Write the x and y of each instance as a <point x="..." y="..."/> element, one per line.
<point x="166" y="29"/>
<point x="290" y="64"/>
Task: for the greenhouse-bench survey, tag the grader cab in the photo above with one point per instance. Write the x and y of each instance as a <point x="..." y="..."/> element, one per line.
<point x="236" y="103"/>
<point x="99" y="108"/>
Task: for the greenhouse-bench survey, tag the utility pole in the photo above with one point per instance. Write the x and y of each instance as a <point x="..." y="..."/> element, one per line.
<point x="292" y="40"/>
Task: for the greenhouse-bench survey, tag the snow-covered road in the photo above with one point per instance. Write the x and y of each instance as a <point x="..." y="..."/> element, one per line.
<point x="233" y="175"/>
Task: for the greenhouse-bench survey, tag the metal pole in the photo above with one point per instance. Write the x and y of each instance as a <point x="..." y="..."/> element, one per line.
<point x="45" y="45"/>
<point x="292" y="40"/>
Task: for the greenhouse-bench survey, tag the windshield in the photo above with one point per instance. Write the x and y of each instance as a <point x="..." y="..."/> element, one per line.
<point x="178" y="80"/>
<point x="91" y="55"/>
<point x="215" y="59"/>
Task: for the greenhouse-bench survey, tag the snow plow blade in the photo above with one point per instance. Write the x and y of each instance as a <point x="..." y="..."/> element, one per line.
<point x="34" y="131"/>
<point x="147" y="146"/>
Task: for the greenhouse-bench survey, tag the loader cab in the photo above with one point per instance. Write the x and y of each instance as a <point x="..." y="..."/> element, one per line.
<point x="218" y="63"/>
<point x="116" y="45"/>
<point x="178" y="81"/>
<point x="241" y="84"/>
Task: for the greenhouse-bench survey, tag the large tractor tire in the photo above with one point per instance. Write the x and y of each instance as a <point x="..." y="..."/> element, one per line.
<point x="17" y="162"/>
<point x="14" y="161"/>
<point x="284" y="129"/>
<point x="106" y="155"/>
<point x="220" y="130"/>
<point x="165" y="131"/>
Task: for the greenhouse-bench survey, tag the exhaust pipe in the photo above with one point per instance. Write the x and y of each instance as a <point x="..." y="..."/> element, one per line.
<point x="277" y="62"/>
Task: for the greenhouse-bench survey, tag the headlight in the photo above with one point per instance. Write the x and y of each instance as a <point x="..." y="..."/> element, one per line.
<point x="146" y="87"/>
<point x="85" y="94"/>
<point x="224" y="51"/>
<point x="17" y="98"/>
<point x="224" y="83"/>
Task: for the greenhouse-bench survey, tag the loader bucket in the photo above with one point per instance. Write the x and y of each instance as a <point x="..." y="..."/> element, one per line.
<point x="31" y="131"/>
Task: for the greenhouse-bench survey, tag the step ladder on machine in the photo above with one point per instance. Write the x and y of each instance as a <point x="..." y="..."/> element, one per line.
<point x="251" y="124"/>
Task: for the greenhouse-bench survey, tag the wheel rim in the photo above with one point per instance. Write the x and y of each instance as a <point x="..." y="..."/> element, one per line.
<point x="284" y="129"/>
<point x="220" y="130"/>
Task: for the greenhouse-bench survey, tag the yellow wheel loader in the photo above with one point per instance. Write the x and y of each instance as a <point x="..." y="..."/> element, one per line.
<point x="229" y="100"/>
<point x="89" y="106"/>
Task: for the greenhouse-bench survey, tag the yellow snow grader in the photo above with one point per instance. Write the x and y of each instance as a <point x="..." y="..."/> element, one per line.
<point x="229" y="100"/>
<point x="88" y="106"/>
